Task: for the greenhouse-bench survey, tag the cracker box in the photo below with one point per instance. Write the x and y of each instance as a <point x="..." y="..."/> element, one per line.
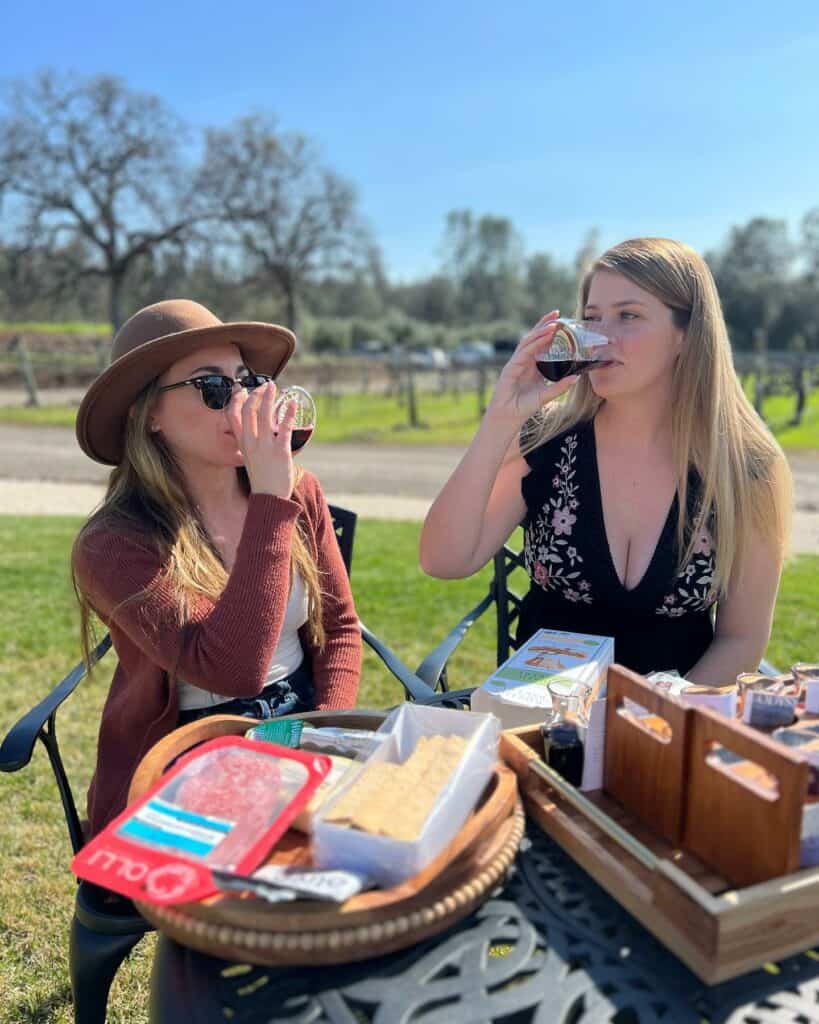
<point x="391" y="855"/>
<point x="517" y="692"/>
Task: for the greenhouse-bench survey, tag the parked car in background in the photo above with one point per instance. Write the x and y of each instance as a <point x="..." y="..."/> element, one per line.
<point x="473" y="353"/>
<point x="370" y="349"/>
<point x="428" y="357"/>
<point x="504" y="347"/>
<point x="397" y="356"/>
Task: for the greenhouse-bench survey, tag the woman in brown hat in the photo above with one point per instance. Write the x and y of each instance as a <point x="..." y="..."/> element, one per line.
<point x="212" y="559"/>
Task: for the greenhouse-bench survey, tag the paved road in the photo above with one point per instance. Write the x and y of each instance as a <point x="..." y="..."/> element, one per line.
<point x="51" y="453"/>
<point x="43" y="471"/>
<point x="379" y="480"/>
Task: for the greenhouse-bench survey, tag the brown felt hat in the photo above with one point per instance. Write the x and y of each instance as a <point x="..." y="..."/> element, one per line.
<point x="143" y="349"/>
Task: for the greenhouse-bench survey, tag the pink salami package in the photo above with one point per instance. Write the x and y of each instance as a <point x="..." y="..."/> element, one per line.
<point x="222" y="806"/>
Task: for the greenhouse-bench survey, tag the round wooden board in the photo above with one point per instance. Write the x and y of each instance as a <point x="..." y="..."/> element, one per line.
<point x="370" y="924"/>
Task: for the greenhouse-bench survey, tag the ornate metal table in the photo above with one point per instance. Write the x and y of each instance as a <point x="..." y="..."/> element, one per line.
<point x="550" y="947"/>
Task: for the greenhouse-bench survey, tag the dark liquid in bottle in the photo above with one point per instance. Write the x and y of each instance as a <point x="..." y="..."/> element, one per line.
<point x="565" y="753"/>
<point x="300" y="437"/>
<point x="557" y="369"/>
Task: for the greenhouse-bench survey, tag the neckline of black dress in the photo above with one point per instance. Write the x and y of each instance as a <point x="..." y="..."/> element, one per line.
<point x="662" y="540"/>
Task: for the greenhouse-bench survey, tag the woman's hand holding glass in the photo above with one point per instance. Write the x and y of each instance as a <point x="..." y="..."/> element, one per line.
<point x="264" y="439"/>
<point x="521" y="389"/>
<point x="304" y="422"/>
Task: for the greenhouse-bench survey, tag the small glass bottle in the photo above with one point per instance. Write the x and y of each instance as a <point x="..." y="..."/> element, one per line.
<point x="566" y="752"/>
<point x="564" y="707"/>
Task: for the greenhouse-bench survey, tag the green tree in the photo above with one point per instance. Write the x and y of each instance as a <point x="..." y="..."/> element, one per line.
<point x="548" y="286"/>
<point x="753" y="273"/>
<point x="484" y="258"/>
<point x="587" y="253"/>
<point x="433" y="299"/>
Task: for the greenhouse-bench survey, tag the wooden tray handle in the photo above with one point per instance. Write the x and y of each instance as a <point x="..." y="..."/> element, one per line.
<point x="625" y="721"/>
<point x="645" y="772"/>
<point x="744" y="833"/>
<point x="623" y="683"/>
<point x="787" y="766"/>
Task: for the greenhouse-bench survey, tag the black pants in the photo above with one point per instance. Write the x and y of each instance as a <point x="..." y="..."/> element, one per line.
<point x="288" y="696"/>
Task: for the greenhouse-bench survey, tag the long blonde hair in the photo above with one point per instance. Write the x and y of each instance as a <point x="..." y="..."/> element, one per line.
<point x="746" y="482"/>
<point x="146" y="492"/>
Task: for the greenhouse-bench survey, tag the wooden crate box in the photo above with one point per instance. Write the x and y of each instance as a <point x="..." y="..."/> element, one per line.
<point x="691" y="875"/>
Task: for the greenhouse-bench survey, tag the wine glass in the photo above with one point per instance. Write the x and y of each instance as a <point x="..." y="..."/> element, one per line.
<point x="305" y="422"/>
<point x="565" y="700"/>
<point x="576" y="346"/>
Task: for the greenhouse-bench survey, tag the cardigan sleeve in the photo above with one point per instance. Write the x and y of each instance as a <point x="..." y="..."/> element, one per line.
<point x="336" y="667"/>
<point x="227" y="645"/>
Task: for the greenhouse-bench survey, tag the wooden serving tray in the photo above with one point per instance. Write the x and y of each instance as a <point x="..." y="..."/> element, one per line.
<point x="717" y="929"/>
<point x="370" y="924"/>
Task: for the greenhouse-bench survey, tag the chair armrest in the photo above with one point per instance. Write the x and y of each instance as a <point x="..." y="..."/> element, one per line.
<point x="459" y="699"/>
<point x="18" y="746"/>
<point x="416" y="688"/>
<point x="435" y="662"/>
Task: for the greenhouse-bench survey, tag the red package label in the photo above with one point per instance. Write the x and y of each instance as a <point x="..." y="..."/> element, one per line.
<point x="222" y="806"/>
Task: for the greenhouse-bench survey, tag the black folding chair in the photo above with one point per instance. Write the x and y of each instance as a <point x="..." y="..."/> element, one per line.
<point x="506" y="601"/>
<point x="103" y="932"/>
<point x="417" y="687"/>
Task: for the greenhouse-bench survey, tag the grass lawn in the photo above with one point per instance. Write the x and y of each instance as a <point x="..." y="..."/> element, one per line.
<point x="38" y="643"/>
<point x="449" y="419"/>
<point x="40" y="416"/>
<point x="446" y="419"/>
<point x="778" y="410"/>
<point x="69" y="327"/>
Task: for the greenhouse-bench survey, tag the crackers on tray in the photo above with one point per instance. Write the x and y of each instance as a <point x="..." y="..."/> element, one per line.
<point x="395" y="800"/>
<point x="341" y="765"/>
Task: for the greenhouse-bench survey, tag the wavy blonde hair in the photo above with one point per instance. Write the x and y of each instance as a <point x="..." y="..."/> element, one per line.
<point x="146" y="491"/>
<point x="746" y="482"/>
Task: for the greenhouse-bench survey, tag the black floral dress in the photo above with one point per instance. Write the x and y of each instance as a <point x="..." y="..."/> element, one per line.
<point x="662" y="623"/>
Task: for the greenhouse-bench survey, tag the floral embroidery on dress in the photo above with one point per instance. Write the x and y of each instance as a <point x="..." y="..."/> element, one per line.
<point x="551" y="558"/>
<point x="693" y="584"/>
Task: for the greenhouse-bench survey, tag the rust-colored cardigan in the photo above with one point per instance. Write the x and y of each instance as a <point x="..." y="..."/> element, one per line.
<point x="226" y="647"/>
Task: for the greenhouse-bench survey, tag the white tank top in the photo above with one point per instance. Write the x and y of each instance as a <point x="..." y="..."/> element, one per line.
<point x="286" y="658"/>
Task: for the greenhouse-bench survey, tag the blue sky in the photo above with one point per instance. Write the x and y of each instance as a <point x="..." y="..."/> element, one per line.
<point x="675" y="119"/>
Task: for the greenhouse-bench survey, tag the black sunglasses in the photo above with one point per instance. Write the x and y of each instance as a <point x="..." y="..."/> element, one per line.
<point x="216" y="389"/>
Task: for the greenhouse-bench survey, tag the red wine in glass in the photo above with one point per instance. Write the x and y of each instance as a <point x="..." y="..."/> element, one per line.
<point x="304" y="422"/>
<point x="556" y="369"/>
<point x="573" y="342"/>
<point x="300" y="437"/>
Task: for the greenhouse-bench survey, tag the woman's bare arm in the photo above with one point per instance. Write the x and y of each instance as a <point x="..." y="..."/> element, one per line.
<point x="481" y="503"/>
<point x="744" y="617"/>
<point x="479" y="506"/>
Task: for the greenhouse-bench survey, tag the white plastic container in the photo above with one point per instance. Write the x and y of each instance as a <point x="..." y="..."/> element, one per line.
<point x="388" y="861"/>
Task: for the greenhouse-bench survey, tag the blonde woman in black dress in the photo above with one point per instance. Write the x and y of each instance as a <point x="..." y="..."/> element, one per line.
<point x="655" y="502"/>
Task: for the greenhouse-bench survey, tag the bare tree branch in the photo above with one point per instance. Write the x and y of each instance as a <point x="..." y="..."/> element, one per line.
<point x="91" y="159"/>
<point x="289" y="214"/>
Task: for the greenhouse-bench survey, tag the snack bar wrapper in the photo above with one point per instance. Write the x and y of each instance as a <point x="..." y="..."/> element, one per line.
<point x="220" y="807"/>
